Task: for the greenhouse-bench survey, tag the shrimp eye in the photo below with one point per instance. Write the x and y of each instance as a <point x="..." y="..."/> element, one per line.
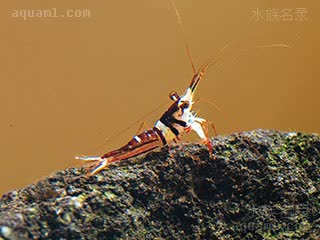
<point x="185" y="104"/>
<point x="174" y="96"/>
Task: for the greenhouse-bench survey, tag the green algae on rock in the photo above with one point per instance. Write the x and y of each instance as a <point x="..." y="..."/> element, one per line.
<point x="261" y="185"/>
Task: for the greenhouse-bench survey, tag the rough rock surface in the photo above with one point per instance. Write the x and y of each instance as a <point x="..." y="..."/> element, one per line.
<point x="261" y="185"/>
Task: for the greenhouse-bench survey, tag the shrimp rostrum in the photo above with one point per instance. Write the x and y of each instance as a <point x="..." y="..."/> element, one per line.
<point x="177" y="120"/>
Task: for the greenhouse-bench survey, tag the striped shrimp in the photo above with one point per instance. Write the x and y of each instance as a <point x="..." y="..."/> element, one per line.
<point x="172" y="125"/>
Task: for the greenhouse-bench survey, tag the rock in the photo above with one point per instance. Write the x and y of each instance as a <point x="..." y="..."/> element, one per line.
<point x="261" y="185"/>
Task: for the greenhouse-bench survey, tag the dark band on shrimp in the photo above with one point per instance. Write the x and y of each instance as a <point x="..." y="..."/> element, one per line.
<point x="164" y="141"/>
<point x="168" y="120"/>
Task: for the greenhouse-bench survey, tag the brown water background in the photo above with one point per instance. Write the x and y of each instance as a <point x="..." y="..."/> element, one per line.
<point x="67" y="84"/>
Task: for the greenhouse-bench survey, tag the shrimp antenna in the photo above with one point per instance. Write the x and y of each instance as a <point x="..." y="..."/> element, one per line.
<point x="185" y="36"/>
<point x="214" y="60"/>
